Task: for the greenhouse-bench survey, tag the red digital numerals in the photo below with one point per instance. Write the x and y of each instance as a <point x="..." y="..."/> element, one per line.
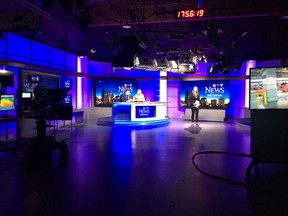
<point x="182" y="14"/>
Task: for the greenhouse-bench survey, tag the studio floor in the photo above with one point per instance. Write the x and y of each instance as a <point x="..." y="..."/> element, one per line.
<point x="174" y="170"/>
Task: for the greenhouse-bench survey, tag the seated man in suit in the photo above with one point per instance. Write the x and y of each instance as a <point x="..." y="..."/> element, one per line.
<point x="125" y="96"/>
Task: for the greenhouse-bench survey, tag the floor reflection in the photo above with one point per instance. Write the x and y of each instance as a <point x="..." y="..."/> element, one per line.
<point x="194" y="128"/>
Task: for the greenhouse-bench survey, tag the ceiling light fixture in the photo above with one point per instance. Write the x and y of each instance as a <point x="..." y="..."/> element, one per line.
<point x="143" y="62"/>
<point x="160" y="63"/>
<point x="126" y="26"/>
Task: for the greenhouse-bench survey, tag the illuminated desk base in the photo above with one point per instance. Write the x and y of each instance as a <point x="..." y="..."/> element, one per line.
<point x="137" y="114"/>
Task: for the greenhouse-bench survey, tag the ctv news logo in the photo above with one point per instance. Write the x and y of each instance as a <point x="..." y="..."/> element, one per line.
<point x="124" y="87"/>
<point x="67" y="99"/>
<point x="144" y="111"/>
<point x="215" y="90"/>
<point x="67" y="84"/>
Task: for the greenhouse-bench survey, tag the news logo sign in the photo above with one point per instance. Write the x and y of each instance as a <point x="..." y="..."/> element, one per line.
<point x="67" y="99"/>
<point x="121" y="89"/>
<point x="145" y="111"/>
<point x="215" y="90"/>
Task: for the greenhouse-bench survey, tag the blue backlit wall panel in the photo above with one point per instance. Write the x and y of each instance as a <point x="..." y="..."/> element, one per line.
<point x="57" y="58"/>
<point x="70" y="62"/>
<point x="40" y="54"/>
<point x="19" y="49"/>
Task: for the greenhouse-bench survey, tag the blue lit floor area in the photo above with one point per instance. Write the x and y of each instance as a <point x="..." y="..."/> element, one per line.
<point x="108" y="121"/>
<point x="123" y="171"/>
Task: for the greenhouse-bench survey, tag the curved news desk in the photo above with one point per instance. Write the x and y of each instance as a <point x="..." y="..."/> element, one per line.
<point x="137" y="113"/>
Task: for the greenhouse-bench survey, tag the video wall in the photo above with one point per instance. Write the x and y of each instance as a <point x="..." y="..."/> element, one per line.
<point x="268" y="88"/>
<point x="108" y="90"/>
<point x="213" y="93"/>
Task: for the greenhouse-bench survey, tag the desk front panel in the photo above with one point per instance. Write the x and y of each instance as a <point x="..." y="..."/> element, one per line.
<point x="140" y="111"/>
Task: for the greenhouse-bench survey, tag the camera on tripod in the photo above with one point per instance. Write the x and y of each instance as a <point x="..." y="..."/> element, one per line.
<point x="45" y="104"/>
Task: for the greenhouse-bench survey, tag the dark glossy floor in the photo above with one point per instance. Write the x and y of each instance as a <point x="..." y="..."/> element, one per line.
<point x="146" y="172"/>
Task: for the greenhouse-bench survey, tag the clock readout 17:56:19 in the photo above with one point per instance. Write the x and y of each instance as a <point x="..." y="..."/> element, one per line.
<point x="182" y="14"/>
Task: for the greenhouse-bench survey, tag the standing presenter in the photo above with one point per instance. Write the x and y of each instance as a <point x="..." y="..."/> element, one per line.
<point x="194" y="101"/>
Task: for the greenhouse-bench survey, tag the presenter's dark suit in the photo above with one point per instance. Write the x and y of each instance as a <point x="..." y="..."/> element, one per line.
<point x="194" y="109"/>
<point x="124" y="97"/>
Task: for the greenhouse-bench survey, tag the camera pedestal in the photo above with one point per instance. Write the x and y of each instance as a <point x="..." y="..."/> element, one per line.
<point x="40" y="148"/>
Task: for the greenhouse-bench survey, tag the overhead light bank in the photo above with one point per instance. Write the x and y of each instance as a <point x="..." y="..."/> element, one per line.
<point x="189" y="13"/>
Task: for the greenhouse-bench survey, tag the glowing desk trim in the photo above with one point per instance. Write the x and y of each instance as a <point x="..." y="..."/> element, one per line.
<point x="129" y="112"/>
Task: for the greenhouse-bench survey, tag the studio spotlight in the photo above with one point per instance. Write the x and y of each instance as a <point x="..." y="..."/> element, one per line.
<point x="126" y="26"/>
<point x="160" y="63"/>
<point x="194" y="59"/>
<point x="143" y="62"/>
<point x="93" y="50"/>
<point x="192" y="68"/>
<point x="186" y="69"/>
<point x="212" y="69"/>
<point x="205" y="58"/>
<point x="173" y="64"/>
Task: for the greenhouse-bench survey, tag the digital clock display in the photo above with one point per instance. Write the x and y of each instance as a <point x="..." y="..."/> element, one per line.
<point x="189" y="14"/>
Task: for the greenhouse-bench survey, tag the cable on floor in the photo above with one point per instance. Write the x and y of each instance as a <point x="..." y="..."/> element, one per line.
<point x="229" y="180"/>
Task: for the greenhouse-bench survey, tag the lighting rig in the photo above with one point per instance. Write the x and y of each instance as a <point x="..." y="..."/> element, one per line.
<point x="179" y="61"/>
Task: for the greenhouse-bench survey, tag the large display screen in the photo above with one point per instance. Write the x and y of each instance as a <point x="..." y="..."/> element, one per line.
<point x="7" y="102"/>
<point x="268" y="88"/>
<point x="108" y="90"/>
<point x="214" y="94"/>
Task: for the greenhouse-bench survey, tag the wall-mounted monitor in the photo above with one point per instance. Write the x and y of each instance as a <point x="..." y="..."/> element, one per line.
<point x="67" y="99"/>
<point x="7" y="102"/>
<point x="26" y="95"/>
<point x="268" y="88"/>
<point x="67" y="83"/>
<point x="214" y="94"/>
<point x="108" y="90"/>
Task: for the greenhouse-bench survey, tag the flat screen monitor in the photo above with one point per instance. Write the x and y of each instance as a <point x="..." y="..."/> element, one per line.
<point x="67" y="83"/>
<point x="268" y="88"/>
<point x="67" y="99"/>
<point x="214" y="94"/>
<point x="26" y="95"/>
<point x="7" y="102"/>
